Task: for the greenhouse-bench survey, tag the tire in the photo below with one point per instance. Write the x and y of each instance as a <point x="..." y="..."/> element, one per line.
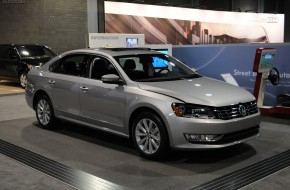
<point x="44" y="112"/>
<point x="150" y="136"/>
<point x="23" y="79"/>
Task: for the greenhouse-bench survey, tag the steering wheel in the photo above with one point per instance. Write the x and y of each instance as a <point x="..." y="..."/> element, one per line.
<point x="274" y="76"/>
<point x="163" y="69"/>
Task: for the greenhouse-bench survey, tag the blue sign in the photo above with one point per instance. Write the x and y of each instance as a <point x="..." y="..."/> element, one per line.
<point x="238" y="60"/>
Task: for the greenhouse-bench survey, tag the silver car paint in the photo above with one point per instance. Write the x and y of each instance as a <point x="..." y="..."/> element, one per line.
<point x="198" y="91"/>
<point x="103" y="104"/>
<point x="65" y="94"/>
<point x="109" y="107"/>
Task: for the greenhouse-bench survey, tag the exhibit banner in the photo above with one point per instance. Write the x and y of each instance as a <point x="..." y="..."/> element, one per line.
<point x="97" y="40"/>
<point x="233" y="63"/>
<point x="180" y="26"/>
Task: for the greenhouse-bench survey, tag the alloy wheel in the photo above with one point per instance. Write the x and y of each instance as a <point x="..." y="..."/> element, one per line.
<point x="23" y="80"/>
<point x="147" y="136"/>
<point x="43" y="112"/>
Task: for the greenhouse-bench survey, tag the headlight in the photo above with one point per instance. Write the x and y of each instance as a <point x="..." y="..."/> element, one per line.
<point x="29" y="88"/>
<point x="193" y="111"/>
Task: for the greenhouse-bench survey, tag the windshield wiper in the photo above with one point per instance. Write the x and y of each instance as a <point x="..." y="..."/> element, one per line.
<point x="159" y="79"/>
<point x="191" y="76"/>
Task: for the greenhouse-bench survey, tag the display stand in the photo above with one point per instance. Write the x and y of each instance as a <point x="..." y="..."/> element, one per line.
<point x="263" y="63"/>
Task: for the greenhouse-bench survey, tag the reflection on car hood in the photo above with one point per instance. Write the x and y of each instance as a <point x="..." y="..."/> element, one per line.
<point x="203" y="91"/>
<point x="36" y="60"/>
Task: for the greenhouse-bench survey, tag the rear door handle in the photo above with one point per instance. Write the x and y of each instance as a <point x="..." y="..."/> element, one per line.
<point x="83" y="88"/>
<point x="51" y="82"/>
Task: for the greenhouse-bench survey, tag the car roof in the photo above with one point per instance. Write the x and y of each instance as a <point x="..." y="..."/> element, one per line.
<point x="14" y="45"/>
<point x="21" y="45"/>
<point x="115" y="51"/>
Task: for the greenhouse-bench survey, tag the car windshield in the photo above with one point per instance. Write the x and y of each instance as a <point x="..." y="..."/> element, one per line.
<point x="154" y="67"/>
<point x="35" y="51"/>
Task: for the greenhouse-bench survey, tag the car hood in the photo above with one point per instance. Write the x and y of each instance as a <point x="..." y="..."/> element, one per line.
<point x="203" y="91"/>
<point x="37" y="61"/>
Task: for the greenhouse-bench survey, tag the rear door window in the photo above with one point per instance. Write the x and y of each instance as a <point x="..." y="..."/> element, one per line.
<point x="71" y="65"/>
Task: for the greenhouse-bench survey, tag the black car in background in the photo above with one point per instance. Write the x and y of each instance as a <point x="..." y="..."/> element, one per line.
<point x="17" y="60"/>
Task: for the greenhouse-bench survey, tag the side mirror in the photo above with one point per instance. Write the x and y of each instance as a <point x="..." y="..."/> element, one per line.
<point x="194" y="69"/>
<point x="111" y="79"/>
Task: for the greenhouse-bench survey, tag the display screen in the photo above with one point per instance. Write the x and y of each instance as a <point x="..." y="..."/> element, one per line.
<point x="131" y="42"/>
<point x="267" y="60"/>
<point x="159" y="62"/>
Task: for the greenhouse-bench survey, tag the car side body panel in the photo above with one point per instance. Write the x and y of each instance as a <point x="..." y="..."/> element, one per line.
<point x="102" y="104"/>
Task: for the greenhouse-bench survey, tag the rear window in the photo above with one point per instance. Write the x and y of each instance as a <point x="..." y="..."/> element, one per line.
<point x="35" y="51"/>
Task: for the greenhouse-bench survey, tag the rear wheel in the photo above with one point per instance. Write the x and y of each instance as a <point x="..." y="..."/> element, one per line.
<point x="44" y="112"/>
<point x="150" y="136"/>
<point x="23" y="79"/>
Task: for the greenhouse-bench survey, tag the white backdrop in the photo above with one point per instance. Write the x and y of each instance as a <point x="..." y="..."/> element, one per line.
<point x="239" y="23"/>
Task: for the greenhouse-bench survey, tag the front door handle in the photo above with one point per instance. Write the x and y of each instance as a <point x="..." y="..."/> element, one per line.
<point x="51" y="82"/>
<point x="83" y="88"/>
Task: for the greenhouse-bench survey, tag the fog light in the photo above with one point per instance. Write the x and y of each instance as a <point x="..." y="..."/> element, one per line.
<point x="191" y="137"/>
<point x="202" y="138"/>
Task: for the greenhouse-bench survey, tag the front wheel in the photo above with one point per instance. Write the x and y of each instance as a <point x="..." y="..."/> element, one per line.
<point x="44" y="112"/>
<point x="23" y="79"/>
<point x="150" y="136"/>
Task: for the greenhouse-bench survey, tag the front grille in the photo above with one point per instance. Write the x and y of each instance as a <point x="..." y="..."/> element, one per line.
<point x="233" y="111"/>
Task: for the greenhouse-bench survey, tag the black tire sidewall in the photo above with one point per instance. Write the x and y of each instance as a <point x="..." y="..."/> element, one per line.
<point x="52" y="122"/>
<point x="163" y="149"/>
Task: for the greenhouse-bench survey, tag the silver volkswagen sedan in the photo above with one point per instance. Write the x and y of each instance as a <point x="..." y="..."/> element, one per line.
<point x="150" y="97"/>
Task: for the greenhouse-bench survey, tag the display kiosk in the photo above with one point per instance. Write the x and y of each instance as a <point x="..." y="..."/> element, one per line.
<point x="109" y="40"/>
<point x="264" y="65"/>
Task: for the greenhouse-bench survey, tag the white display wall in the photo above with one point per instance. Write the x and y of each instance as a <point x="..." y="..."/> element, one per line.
<point x="164" y="24"/>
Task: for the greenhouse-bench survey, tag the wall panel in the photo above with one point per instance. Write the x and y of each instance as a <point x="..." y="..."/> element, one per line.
<point x="62" y="25"/>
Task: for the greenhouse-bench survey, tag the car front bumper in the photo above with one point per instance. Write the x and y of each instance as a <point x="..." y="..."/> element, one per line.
<point x="232" y="132"/>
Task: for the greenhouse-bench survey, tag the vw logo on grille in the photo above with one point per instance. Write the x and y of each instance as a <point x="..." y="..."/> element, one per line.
<point x="242" y="110"/>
